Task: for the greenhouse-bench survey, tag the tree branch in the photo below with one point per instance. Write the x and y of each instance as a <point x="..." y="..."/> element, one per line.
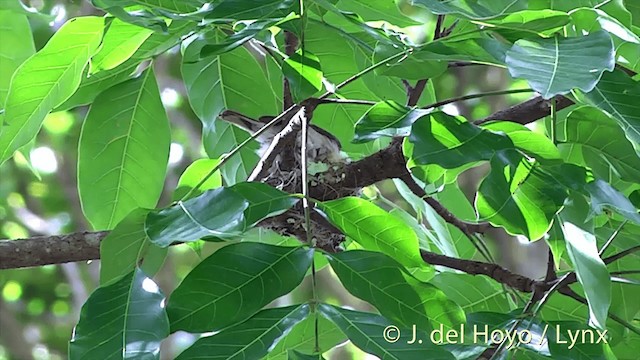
<point x="45" y="250"/>
<point x="385" y="164"/>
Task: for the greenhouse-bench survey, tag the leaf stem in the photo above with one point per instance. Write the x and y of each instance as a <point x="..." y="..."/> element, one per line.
<point x="366" y="71"/>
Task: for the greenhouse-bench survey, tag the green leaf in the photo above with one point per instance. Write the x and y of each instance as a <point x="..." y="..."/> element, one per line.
<point x="378" y="10"/>
<point x="387" y="118"/>
<point x="543" y="22"/>
<point x="304" y="73"/>
<point x="92" y="86"/>
<point x="238" y="38"/>
<point x="228" y="10"/>
<point x="451" y="142"/>
<point x="385" y="284"/>
<point x="374" y="229"/>
<point x="482" y="50"/>
<point x="220" y="212"/>
<point x="123" y="152"/>
<point x="596" y="19"/>
<point x="252" y="339"/>
<point x="295" y="355"/>
<point x="617" y="95"/>
<point x="372" y="333"/>
<point x="591" y="271"/>
<point x="409" y="67"/>
<point x="559" y="65"/>
<point x="121" y="250"/>
<point x="47" y="79"/>
<point x="472" y="293"/>
<point x="604" y="195"/>
<point x="473" y="9"/>
<point x="195" y="173"/>
<point x="124" y="320"/>
<point x="588" y="136"/>
<point x="178" y="7"/>
<point x="534" y="144"/>
<point x="519" y="197"/>
<point x="16" y="46"/>
<point x="214" y="84"/>
<point x="234" y="283"/>
<point x="120" y="42"/>
<point x="302" y="338"/>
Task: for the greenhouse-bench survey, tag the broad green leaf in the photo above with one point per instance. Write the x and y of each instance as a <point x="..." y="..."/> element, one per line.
<point x="234" y="283"/>
<point x="472" y="293"/>
<point x="537" y="21"/>
<point x="591" y="271"/>
<point x="376" y="335"/>
<point x="238" y="38"/>
<point x="92" y="86"/>
<point x="634" y="9"/>
<point x="519" y="197"/>
<point x="125" y="245"/>
<point x="214" y="84"/>
<point x="374" y="229"/>
<point x="604" y="195"/>
<point x="374" y="10"/>
<point x="251" y="9"/>
<point x="588" y="136"/>
<point x="400" y="297"/>
<point x="123" y="320"/>
<point x="473" y="9"/>
<point x="123" y="152"/>
<point x="595" y="19"/>
<point x="173" y="6"/>
<point x="16" y="46"/>
<point x="409" y="67"/>
<point x="295" y="355"/>
<point x="47" y="79"/>
<point x="531" y="143"/>
<point x="387" y="118"/>
<point x="120" y="42"/>
<point x="302" y="338"/>
<point x="617" y="95"/>
<point x="451" y="142"/>
<point x="482" y="50"/>
<point x="195" y="173"/>
<point x="565" y="6"/>
<point x="157" y="43"/>
<point x="161" y="42"/>
<point x="558" y="65"/>
<point x="252" y="339"/>
<point x="304" y="73"/>
<point x="219" y="212"/>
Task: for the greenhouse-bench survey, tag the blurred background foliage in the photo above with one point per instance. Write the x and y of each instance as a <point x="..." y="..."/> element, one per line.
<point x="39" y="306"/>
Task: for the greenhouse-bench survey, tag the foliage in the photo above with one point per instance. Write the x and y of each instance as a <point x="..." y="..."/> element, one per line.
<point x="571" y="179"/>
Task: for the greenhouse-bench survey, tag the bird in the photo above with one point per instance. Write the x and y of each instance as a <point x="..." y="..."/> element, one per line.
<point x="322" y="146"/>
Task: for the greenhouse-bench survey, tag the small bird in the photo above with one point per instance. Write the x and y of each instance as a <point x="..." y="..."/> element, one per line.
<point x="322" y="146"/>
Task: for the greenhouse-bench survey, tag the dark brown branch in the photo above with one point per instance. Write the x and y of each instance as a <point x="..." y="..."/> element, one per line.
<point x="528" y="111"/>
<point x="466" y="227"/>
<point x="472" y="267"/>
<point x="45" y="250"/>
<point x="621" y="254"/>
